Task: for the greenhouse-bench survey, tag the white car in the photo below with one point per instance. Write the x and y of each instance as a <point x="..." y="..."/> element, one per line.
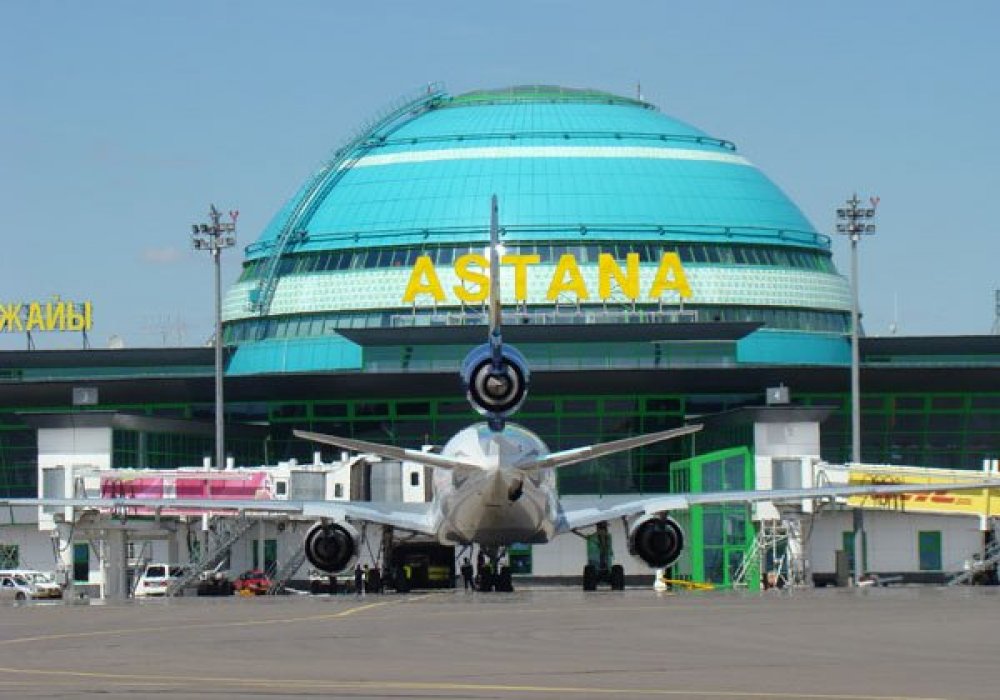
<point x="43" y="582"/>
<point x="15" y="587"/>
<point x="156" y="578"/>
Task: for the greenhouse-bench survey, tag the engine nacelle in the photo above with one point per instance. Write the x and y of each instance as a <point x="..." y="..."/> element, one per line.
<point x="495" y="394"/>
<point x="331" y="547"/>
<point x="656" y="539"/>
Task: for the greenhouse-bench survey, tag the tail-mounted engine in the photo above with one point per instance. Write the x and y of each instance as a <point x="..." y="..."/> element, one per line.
<point x="656" y="539"/>
<point x="331" y="547"/>
<point x="495" y="381"/>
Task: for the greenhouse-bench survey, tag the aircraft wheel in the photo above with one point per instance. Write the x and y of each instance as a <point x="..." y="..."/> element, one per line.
<point x="589" y="578"/>
<point x="505" y="582"/>
<point x="402" y="583"/>
<point x="487" y="582"/>
<point x="617" y="578"/>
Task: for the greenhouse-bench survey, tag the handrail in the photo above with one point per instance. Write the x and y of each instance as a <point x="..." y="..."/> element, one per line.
<point x="691" y="233"/>
<point x="563" y="136"/>
<point x="369" y="136"/>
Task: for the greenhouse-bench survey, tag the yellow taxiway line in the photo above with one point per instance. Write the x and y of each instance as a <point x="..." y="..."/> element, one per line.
<point x="426" y="686"/>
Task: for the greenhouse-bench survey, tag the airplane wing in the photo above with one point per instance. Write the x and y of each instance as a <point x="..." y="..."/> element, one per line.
<point x="592" y="511"/>
<point x="582" y="454"/>
<point x="389" y="451"/>
<point x="416" y="517"/>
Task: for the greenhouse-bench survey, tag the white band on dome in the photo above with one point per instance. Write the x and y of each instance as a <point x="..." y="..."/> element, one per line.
<point x="492" y="152"/>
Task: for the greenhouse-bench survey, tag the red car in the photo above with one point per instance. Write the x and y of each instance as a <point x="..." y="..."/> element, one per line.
<point x="253" y="582"/>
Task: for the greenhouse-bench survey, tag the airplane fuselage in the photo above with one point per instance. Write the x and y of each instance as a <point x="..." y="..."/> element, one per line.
<point x="499" y="504"/>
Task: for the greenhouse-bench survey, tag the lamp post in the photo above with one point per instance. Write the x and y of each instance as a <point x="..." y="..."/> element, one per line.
<point x="214" y="237"/>
<point x="854" y="222"/>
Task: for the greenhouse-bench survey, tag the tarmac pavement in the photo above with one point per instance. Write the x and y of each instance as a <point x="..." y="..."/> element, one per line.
<point x="872" y="644"/>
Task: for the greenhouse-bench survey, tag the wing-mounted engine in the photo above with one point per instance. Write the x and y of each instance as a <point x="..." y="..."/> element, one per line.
<point x="331" y="547"/>
<point x="656" y="539"/>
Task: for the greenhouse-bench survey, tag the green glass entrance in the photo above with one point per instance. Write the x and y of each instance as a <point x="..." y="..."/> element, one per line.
<point x="718" y="537"/>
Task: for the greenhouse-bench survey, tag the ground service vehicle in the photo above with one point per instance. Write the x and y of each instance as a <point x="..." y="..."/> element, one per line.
<point x="253" y="582"/>
<point x="215" y="583"/>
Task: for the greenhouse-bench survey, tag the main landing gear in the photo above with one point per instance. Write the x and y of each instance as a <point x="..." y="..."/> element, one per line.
<point x="599" y="571"/>
<point x="488" y="576"/>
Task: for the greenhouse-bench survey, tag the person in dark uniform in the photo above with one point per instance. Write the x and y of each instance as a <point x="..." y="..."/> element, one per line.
<point x="480" y="567"/>
<point x="359" y="580"/>
<point x="467" y="573"/>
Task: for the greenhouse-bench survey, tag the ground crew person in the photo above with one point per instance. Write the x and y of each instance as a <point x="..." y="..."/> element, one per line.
<point x="467" y="573"/>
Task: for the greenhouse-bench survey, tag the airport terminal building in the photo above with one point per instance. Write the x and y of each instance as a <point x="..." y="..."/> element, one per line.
<point x="650" y="274"/>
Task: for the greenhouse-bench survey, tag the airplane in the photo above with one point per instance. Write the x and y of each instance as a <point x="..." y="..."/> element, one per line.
<point x="495" y="483"/>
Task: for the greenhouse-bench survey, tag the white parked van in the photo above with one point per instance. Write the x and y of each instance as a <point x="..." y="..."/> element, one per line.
<point x="155" y="579"/>
<point x="43" y="583"/>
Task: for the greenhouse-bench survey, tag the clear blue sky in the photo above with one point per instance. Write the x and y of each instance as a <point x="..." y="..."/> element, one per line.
<point x="121" y="121"/>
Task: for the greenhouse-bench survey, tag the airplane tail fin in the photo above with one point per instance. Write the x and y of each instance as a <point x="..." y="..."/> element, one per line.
<point x="495" y="376"/>
<point x="495" y="309"/>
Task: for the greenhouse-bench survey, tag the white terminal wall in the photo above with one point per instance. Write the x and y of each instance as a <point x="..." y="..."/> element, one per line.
<point x="784" y="454"/>
<point x="892" y="539"/>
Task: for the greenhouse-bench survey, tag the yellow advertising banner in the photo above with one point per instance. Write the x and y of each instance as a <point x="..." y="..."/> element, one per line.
<point x="982" y="502"/>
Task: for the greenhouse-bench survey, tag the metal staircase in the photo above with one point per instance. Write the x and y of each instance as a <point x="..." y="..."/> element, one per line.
<point x="224" y="532"/>
<point x="364" y="140"/>
<point x="285" y="571"/>
<point x="990" y="559"/>
<point x="774" y="537"/>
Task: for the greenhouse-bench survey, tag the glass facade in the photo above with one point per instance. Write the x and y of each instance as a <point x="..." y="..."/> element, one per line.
<point x="320" y="324"/>
<point x="948" y="429"/>
<point x="718" y="537"/>
<point x="548" y="253"/>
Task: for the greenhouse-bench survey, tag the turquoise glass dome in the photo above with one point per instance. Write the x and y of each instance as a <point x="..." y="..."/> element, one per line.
<point x="575" y="171"/>
<point x="558" y="160"/>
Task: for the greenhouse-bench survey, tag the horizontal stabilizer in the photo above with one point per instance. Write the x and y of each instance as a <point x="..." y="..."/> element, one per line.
<point x="389" y="451"/>
<point x="582" y="454"/>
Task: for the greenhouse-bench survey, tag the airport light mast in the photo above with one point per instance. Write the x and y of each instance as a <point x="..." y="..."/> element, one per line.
<point x="214" y="237"/>
<point x="855" y="222"/>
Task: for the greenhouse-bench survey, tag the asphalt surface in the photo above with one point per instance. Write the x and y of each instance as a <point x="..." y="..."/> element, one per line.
<point x="548" y="643"/>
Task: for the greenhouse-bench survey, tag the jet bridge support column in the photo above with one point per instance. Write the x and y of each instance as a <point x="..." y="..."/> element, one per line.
<point x="116" y="564"/>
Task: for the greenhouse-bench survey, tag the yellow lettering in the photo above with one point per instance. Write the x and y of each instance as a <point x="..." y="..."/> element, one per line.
<point x="607" y="269"/>
<point x="520" y="263"/>
<point x="423" y="280"/>
<point x="77" y="319"/>
<point x="35" y="318"/>
<point x="670" y="276"/>
<point x="88" y="316"/>
<point x="10" y="317"/>
<point x="54" y="316"/>
<point x="480" y="280"/>
<point x="567" y="278"/>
